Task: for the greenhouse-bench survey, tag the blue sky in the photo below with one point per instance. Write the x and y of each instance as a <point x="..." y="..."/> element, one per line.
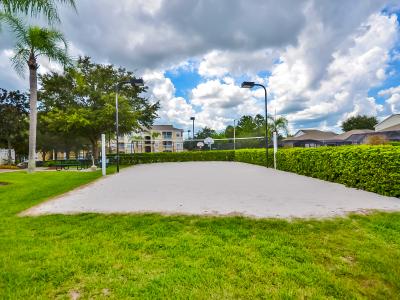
<point x="322" y="61"/>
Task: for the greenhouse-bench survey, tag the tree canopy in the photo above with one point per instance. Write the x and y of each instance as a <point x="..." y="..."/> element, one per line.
<point x="359" y="122"/>
<point x="13" y="118"/>
<point x="81" y="101"/>
<point x="205" y="133"/>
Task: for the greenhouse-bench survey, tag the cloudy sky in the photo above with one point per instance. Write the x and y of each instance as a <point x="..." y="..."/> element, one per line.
<point x="321" y="60"/>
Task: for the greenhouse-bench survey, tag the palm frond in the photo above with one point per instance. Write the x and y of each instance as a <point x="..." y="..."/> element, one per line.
<point x="20" y="58"/>
<point x="16" y="25"/>
<point x="52" y="43"/>
<point x="36" y="7"/>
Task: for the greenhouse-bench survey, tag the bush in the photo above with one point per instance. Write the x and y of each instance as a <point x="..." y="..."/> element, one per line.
<point x="8" y="167"/>
<point x="371" y="168"/>
<point x="145" y="158"/>
<point x="376" y="139"/>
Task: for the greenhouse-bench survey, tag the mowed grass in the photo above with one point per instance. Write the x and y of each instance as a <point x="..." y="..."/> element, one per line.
<point x="179" y="257"/>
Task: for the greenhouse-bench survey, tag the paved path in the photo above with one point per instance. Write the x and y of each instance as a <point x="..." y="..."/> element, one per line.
<point x="215" y="188"/>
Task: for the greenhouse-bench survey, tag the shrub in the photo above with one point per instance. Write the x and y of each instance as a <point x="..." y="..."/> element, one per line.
<point x="145" y="158"/>
<point x="8" y="167"/>
<point x="371" y="168"/>
<point x="376" y="139"/>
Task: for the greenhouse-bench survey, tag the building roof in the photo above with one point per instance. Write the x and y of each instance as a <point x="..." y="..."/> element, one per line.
<point x="311" y="134"/>
<point x="345" y="135"/>
<point x="165" y="127"/>
<point x="391" y="116"/>
<point x="391" y="128"/>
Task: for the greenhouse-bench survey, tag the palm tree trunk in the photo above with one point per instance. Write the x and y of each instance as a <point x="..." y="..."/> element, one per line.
<point x="32" y="113"/>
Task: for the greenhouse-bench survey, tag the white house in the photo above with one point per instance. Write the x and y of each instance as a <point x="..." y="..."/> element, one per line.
<point x="390" y="123"/>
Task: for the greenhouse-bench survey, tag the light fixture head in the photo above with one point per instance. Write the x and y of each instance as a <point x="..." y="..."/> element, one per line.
<point x="247" y="84"/>
<point x="192" y="118"/>
<point x="137" y="82"/>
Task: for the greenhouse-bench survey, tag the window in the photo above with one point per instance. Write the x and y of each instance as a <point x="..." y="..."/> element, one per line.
<point x="167" y="134"/>
<point x="178" y="134"/>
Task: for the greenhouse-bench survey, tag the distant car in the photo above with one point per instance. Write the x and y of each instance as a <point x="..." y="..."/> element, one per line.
<point x="23" y="165"/>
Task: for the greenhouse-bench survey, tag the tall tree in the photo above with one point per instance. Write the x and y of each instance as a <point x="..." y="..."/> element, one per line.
<point x="205" y="133"/>
<point x="359" y="122"/>
<point x="13" y="118"/>
<point x="34" y="42"/>
<point x="246" y="127"/>
<point x="81" y="102"/>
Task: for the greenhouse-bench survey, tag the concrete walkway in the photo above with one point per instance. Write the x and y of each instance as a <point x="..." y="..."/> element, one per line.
<point x="215" y="188"/>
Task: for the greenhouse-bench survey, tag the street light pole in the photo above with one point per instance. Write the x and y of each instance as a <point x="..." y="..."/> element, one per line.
<point x="134" y="82"/>
<point x="249" y="85"/>
<point x="234" y="134"/>
<point x="193" y="118"/>
<point x="117" y="125"/>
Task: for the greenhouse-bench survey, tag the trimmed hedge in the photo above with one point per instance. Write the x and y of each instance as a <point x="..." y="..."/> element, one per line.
<point x="371" y="168"/>
<point x="146" y="158"/>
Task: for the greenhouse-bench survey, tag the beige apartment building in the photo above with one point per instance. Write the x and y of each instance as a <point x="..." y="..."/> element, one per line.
<point x="158" y="138"/>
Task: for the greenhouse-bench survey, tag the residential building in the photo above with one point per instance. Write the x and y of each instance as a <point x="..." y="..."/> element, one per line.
<point x="308" y="138"/>
<point x="390" y="123"/>
<point x="157" y="138"/>
<point x="388" y="129"/>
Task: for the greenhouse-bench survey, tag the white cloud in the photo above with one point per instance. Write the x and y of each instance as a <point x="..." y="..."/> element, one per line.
<point x="393" y="99"/>
<point x="323" y="56"/>
<point x="220" y="63"/>
<point x="315" y="93"/>
<point x="219" y="102"/>
<point x="172" y="109"/>
<point x="394" y="103"/>
<point x="390" y="91"/>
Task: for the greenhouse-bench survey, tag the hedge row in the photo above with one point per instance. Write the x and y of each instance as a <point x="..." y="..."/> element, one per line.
<point x="145" y="158"/>
<point x="371" y="168"/>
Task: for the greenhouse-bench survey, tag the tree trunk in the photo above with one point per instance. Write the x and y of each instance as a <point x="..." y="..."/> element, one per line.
<point x="44" y="155"/>
<point x="95" y="149"/>
<point x="9" y="151"/>
<point x="33" y="66"/>
<point x="109" y="143"/>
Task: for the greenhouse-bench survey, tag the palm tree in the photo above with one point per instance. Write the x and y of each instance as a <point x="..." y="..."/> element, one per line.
<point x="48" y="8"/>
<point x="34" y="42"/>
<point x="280" y="125"/>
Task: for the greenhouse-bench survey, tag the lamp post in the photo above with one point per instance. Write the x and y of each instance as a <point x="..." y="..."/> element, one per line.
<point x="234" y="134"/>
<point x="249" y="85"/>
<point x="192" y="118"/>
<point x="188" y="134"/>
<point x="138" y="82"/>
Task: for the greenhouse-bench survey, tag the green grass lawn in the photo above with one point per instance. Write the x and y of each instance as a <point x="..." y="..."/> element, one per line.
<point x="152" y="256"/>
